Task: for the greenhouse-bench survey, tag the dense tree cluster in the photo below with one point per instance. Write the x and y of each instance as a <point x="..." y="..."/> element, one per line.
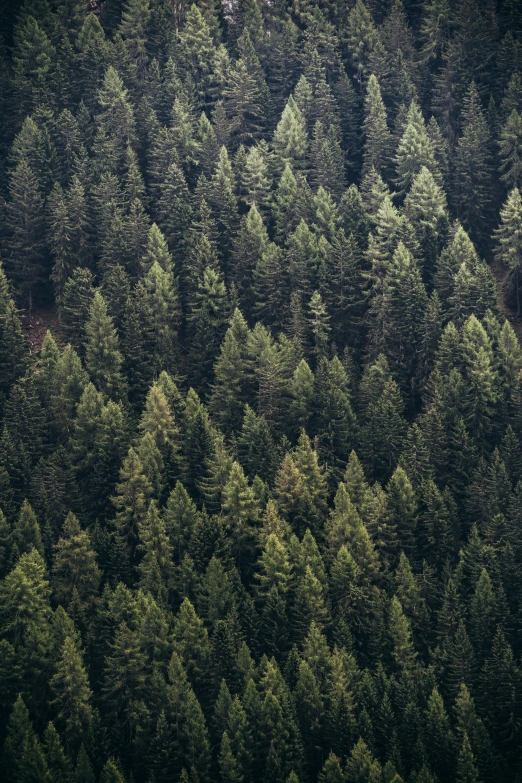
<point x="261" y="488"/>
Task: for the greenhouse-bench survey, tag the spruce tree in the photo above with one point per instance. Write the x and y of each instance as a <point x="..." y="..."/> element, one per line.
<point x="75" y="305"/>
<point x="377" y="145"/>
<point x="75" y="571"/>
<point x="23" y="753"/>
<point x="72" y="694"/>
<point x="25" y="223"/>
<point x="290" y="139"/>
<point x="508" y="239"/>
<point x="510" y="150"/>
<point x="471" y="192"/>
<point x="131" y="500"/>
<point x="12" y="339"/>
<point x="102" y="355"/>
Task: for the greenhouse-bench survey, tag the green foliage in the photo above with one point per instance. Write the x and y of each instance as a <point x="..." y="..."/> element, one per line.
<point x="260" y="407"/>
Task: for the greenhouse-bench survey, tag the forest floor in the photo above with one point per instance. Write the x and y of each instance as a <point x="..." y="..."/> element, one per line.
<point x="36" y="324"/>
<point x="500" y="273"/>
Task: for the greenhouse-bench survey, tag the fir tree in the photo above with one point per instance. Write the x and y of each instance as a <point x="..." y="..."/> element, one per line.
<point x="377" y="145"/>
<point x="72" y="694"/>
<point x="510" y="150"/>
<point x="25" y="223"/>
<point x="75" y="571"/>
<point x="75" y="305"/>
<point x="472" y="173"/>
<point x="23" y="753"/>
<point x="509" y="248"/>
<point x="102" y="355"/>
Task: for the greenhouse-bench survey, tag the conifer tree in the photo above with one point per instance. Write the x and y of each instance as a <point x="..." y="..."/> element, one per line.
<point x="72" y="694"/>
<point x="509" y="246"/>
<point x="249" y="245"/>
<point x="25" y="223"/>
<point x="231" y="374"/>
<point x="133" y="30"/>
<point x="471" y="191"/>
<point x="102" y="355"/>
<point x="198" y="443"/>
<point x="12" y="340"/>
<point x="510" y="150"/>
<point x="32" y="66"/>
<point x="155" y="568"/>
<point x="196" y="53"/>
<point x="131" y="500"/>
<point x="256" y="177"/>
<point x="362" y="38"/>
<point x="124" y="682"/>
<point x="415" y="150"/>
<point x="75" y="305"/>
<point x="377" y="146"/>
<point x="23" y="753"/>
<point x="174" y="207"/>
<point x="290" y="139"/>
<point x="223" y="200"/>
<point x="75" y="572"/>
<point x="115" y="124"/>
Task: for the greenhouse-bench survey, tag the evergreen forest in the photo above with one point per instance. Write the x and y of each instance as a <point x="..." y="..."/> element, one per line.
<point x="261" y="391"/>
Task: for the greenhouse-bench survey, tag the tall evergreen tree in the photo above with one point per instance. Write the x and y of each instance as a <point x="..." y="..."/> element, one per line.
<point x="102" y="355"/>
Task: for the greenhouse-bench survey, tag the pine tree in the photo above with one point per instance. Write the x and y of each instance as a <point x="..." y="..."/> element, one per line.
<point x="131" y="500"/>
<point x="72" y="694"/>
<point x="199" y="437"/>
<point x="196" y="54"/>
<point x="75" y="305"/>
<point x="510" y="150"/>
<point x="12" y="340"/>
<point x="191" y="643"/>
<point x="23" y="753"/>
<point x="25" y="533"/>
<point x="401" y="283"/>
<point x="133" y="30"/>
<point x="115" y="124"/>
<point x="441" y="744"/>
<point x="241" y="511"/>
<point x="25" y="223"/>
<point x="75" y="572"/>
<point x="382" y="420"/>
<point x="28" y="576"/>
<point x="249" y="245"/>
<point x="361" y="765"/>
<point x="403" y="650"/>
<point x="174" y="207"/>
<point x="223" y="200"/>
<point x="415" y="151"/>
<point x="111" y="773"/>
<point x="256" y="177"/>
<point x="57" y="760"/>
<point x="362" y="39"/>
<point x="32" y="65"/>
<point x="290" y="202"/>
<point x="290" y="140"/>
<point x="426" y="208"/>
<point x="471" y="192"/>
<point x="123" y="684"/>
<point x="508" y="238"/>
<point x="466" y="769"/>
<point x="155" y="569"/>
<point x="231" y="375"/>
<point x="102" y="355"/>
<point x="377" y="146"/>
<point x="159" y="313"/>
<point x="243" y="97"/>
